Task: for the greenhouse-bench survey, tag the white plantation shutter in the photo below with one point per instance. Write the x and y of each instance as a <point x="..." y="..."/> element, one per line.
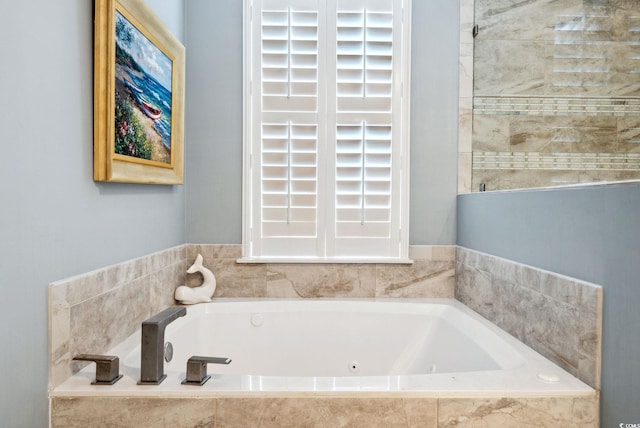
<point x="366" y="149"/>
<point x="326" y="129"/>
<point x="285" y="129"/>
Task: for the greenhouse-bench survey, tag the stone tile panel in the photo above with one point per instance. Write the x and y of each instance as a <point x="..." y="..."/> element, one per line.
<point x="123" y="294"/>
<point x="82" y="412"/>
<point x="424" y="278"/>
<point x="577" y="412"/>
<point x="558" y="316"/>
<point x="322" y="280"/>
<point x="323" y="412"/>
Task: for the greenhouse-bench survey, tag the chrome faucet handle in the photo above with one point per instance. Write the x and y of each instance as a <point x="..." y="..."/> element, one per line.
<point x="107" y="368"/>
<point x="197" y="369"/>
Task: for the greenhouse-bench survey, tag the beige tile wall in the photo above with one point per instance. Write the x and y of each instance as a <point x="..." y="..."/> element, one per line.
<point x="91" y="313"/>
<point x="431" y="275"/>
<point x="558" y="316"/>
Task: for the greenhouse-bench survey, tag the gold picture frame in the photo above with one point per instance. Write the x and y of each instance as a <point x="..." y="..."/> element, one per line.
<point x="139" y="69"/>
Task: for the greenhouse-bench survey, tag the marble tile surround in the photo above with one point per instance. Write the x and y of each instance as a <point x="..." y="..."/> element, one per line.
<point x="314" y="411"/>
<point x="558" y="316"/>
<point x="130" y="292"/>
<point x="430" y="275"/>
<point x="120" y="291"/>
<point x="125" y="294"/>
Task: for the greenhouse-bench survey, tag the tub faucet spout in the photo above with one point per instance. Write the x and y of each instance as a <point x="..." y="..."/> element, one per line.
<point x="152" y="347"/>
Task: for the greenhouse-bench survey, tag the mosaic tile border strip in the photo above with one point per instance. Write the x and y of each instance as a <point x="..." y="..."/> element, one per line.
<point x="549" y="106"/>
<point x="557" y="161"/>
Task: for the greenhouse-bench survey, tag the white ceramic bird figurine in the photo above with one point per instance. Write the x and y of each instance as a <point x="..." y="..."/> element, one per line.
<point x="191" y="295"/>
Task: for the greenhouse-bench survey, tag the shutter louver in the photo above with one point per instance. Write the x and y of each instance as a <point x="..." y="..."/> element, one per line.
<point x="289" y="180"/>
<point x="364" y="61"/>
<point x="363" y="180"/>
<point x="289" y="61"/>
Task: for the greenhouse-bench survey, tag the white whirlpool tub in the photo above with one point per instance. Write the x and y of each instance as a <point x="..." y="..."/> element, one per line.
<point x="434" y="347"/>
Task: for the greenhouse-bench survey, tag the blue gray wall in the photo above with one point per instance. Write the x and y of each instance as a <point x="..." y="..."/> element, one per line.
<point x="54" y="220"/>
<point x="214" y="130"/>
<point x="591" y="233"/>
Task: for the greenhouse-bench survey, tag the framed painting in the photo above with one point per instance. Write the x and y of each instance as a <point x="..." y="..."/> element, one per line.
<point x="138" y="96"/>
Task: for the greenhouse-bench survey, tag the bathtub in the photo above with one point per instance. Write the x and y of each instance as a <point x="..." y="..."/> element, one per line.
<point x="428" y="347"/>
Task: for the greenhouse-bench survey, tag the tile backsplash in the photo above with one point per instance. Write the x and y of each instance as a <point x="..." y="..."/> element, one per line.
<point x="92" y="312"/>
<point x="430" y="275"/>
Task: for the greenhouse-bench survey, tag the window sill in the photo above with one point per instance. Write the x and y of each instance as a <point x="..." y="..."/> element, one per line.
<point x="315" y="260"/>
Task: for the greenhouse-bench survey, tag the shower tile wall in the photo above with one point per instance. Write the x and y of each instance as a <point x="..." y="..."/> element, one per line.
<point x="556" y="92"/>
<point x="465" y="97"/>
<point x="308" y="410"/>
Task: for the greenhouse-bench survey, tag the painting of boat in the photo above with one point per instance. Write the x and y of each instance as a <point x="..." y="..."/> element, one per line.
<point x="146" y="106"/>
<point x="150" y="110"/>
<point x="138" y="107"/>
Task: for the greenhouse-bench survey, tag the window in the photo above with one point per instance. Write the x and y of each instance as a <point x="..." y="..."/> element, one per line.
<point x="326" y="130"/>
